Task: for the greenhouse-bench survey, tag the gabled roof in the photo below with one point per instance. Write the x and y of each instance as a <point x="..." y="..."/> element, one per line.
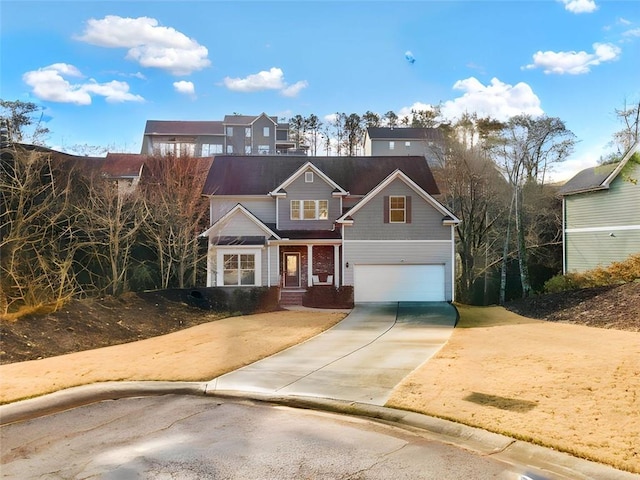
<point x="597" y="178"/>
<point x="243" y="211"/>
<point x="261" y="174"/>
<point x="179" y="127"/>
<point x="404" y="133"/>
<point x="304" y="168"/>
<point x="449" y="217"/>
<point x="123" y="165"/>
<point x="247" y="119"/>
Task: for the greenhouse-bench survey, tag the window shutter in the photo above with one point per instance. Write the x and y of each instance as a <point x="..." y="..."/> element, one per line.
<point x="408" y="207"/>
<point x="386" y="209"/>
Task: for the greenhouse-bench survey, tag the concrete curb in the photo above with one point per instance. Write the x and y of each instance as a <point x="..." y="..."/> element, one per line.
<point x="506" y="449"/>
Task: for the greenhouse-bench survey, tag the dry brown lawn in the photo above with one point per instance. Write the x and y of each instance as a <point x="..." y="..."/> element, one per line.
<point x="569" y="387"/>
<point x="198" y="353"/>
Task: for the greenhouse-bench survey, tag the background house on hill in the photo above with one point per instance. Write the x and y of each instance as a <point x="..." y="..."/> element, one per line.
<point x="235" y="135"/>
<point x="400" y="141"/>
<point x="601" y="214"/>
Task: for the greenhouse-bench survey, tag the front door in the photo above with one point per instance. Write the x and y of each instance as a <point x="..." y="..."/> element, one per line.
<point x="292" y="270"/>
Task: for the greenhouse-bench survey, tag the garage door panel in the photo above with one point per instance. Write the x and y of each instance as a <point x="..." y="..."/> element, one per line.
<point x="399" y="283"/>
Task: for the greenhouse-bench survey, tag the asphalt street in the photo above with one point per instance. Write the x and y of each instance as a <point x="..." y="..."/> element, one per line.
<point x="188" y="437"/>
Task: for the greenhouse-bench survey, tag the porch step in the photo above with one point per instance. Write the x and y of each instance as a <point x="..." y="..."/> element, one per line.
<point x="291" y="297"/>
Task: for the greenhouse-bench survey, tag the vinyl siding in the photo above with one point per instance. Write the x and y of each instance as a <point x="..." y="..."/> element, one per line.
<point x="426" y="221"/>
<point x="258" y="138"/>
<point x="619" y="206"/>
<point x="300" y="190"/>
<point x="389" y="252"/>
<point x="239" y="225"/>
<point x="587" y="250"/>
<point x="264" y="208"/>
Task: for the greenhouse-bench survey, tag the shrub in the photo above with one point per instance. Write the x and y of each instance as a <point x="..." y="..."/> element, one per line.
<point x="618" y="272"/>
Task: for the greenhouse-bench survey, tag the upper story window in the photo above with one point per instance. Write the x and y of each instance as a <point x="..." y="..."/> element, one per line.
<point x="308" y="177"/>
<point x="176" y="148"/>
<point x="247" y="132"/>
<point x="229" y="131"/>
<point x="264" y="149"/>
<point x="397" y="209"/>
<point x="229" y="148"/>
<point x="266" y="131"/>
<point x="407" y="144"/>
<point x="309" y="209"/>
<point x="209" y="149"/>
<point x="392" y="145"/>
<point x="247" y="149"/>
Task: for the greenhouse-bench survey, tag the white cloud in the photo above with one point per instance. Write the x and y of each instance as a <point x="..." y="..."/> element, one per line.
<point x="632" y="33"/>
<point x="273" y="79"/>
<point x="574" y="63"/>
<point x="497" y="100"/>
<point x="294" y="90"/>
<point x="580" y="6"/>
<point x="184" y="87"/>
<point x="148" y="44"/>
<point x="49" y="83"/>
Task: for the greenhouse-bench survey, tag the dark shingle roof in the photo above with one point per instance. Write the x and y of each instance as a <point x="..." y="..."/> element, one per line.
<point x="588" y="179"/>
<point x="259" y="175"/>
<point x="404" y="133"/>
<point x="123" y="164"/>
<point x="178" y="127"/>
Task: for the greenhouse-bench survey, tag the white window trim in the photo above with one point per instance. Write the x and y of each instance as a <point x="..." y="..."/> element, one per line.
<point x="221" y="252"/>
<point x="404" y="209"/>
<point x="301" y="210"/>
<point x="392" y="145"/>
<point x="308" y="177"/>
<point x="266" y="132"/>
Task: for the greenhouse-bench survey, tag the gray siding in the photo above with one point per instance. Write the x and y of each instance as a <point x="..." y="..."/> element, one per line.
<point x="620" y="205"/>
<point x="258" y="137"/>
<point x="426" y="221"/>
<point x="390" y="252"/>
<point x="241" y="226"/>
<point x="300" y="190"/>
<point x="587" y="250"/>
<point x="264" y="208"/>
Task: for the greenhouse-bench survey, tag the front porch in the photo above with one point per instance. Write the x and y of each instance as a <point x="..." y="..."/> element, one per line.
<point x="304" y="266"/>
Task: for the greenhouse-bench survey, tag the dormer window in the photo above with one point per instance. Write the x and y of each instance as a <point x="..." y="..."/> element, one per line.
<point x="308" y="177"/>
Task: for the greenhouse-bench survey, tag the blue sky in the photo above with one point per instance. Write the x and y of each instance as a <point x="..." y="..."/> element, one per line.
<point x="101" y="69"/>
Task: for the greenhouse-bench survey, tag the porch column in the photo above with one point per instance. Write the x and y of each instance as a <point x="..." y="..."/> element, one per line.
<point x="309" y="265"/>
<point x="336" y="265"/>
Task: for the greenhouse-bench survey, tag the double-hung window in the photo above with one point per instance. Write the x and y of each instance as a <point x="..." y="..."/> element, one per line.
<point x="397" y="209"/>
<point x="309" y="209"/>
<point x="239" y="269"/>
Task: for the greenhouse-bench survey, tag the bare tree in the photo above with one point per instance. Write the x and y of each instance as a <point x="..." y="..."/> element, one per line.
<point x="529" y="147"/>
<point x="113" y="220"/>
<point x="314" y="126"/>
<point x="353" y="134"/>
<point x="40" y="234"/>
<point x="177" y="213"/>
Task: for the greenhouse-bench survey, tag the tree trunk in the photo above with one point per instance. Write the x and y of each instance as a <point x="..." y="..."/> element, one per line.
<point x="522" y="249"/>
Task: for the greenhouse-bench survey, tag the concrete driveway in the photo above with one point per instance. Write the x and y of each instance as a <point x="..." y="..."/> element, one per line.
<point x="361" y="359"/>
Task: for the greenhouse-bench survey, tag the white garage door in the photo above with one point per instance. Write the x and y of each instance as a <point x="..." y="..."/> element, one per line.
<point x="399" y="283"/>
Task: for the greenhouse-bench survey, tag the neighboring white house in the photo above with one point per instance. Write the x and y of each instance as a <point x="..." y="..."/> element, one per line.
<point x="601" y="214"/>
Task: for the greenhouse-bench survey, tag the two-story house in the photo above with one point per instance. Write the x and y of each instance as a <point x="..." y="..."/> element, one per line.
<point x="601" y="214"/>
<point x="401" y="141"/>
<point x="235" y="135"/>
<point x="293" y="222"/>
